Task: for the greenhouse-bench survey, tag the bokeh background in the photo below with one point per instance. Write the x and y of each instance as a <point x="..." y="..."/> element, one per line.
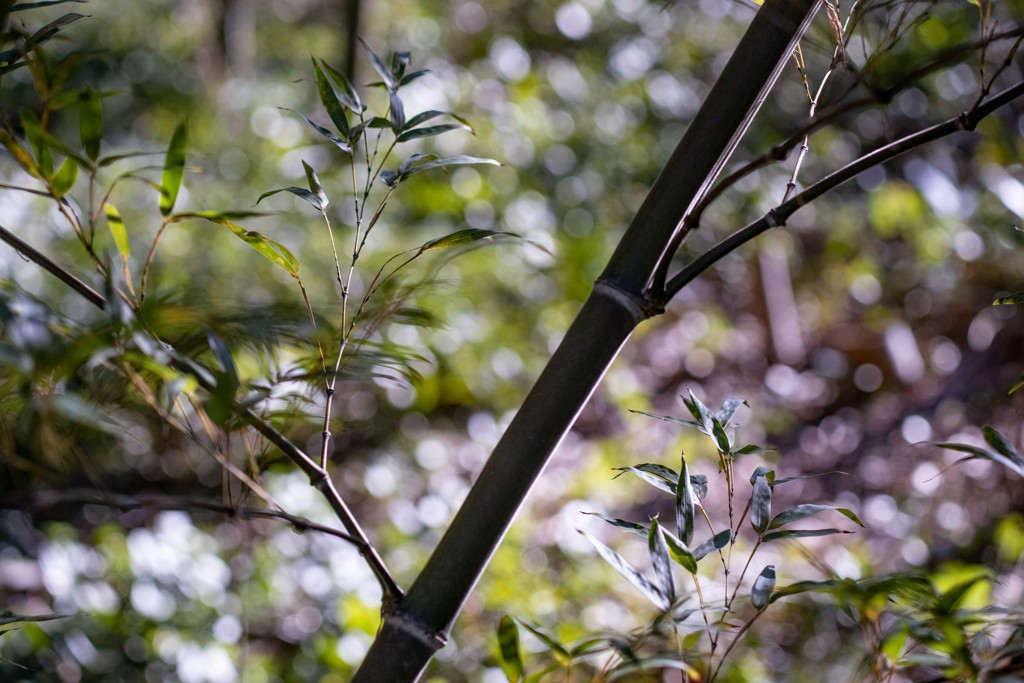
<point x="857" y="334"/>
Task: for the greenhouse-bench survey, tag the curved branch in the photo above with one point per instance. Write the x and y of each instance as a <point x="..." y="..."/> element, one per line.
<point x="776" y="217"/>
<point x="317" y="475"/>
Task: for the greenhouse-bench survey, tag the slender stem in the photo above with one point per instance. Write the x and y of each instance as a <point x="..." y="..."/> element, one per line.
<point x="149" y="259"/>
<point x="733" y="644"/>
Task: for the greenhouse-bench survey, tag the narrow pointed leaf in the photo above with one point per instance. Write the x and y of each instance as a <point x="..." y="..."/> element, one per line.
<point x="684" y="504"/>
<point x="760" y="504"/>
<point x="751" y="449"/>
<point x="764" y="584"/>
<point x="638" y="529"/>
<point x="975" y="452"/>
<point x="651" y="591"/>
<point x="90" y="123"/>
<point x="314" y="200"/>
<point x="423" y="117"/>
<point x="399" y="61"/>
<point x="775" y="482"/>
<point x="1015" y="298"/>
<point x="20" y="154"/>
<point x="678" y="551"/>
<point x="378" y="65"/>
<point x="634" y="666"/>
<point x="429" y="131"/>
<point x="660" y="561"/>
<point x="655" y="480"/>
<point x="667" y="418"/>
<point x="800" y="533"/>
<point x="951" y="598"/>
<point x="728" y="409"/>
<point x="999" y="442"/>
<point x="36" y="137"/>
<point x="509" y="649"/>
<point x="556" y="648"/>
<point x="117" y="230"/>
<point x="412" y="76"/>
<point x="803" y="511"/>
<point x="343" y="145"/>
<point x="65" y="177"/>
<point x="174" y="168"/>
<point x="397" y="114"/>
<point x="716" y="542"/>
<point x="270" y="249"/>
<point x="461" y="160"/>
<point x="330" y="100"/>
<point x="463" y="237"/>
<point x="314" y="185"/>
<point x="346" y="93"/>
<point x="701" y="413"/>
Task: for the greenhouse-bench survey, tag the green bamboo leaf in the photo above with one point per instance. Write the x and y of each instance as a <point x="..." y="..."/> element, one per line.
<point x="76" y="409"/>
<point x="764" y="584"/>
<point x="681" y="554"/>
<point x="1015" y="298"/>
<point x="314" y="185"/>
<point x="999" y="442"/>
<point x="827" y="586"/>
<point x="174" y="168"/>
<point x="39" y="37"/>
<point x="975" y="452"/>
<point x="760" y="504"/>
<point x="117" y="230"/>
<point x="658" y="550"/>
<point x="557" y="650"/>
<point x="751" y="449"/>
<point x="685" y="507"/>
<point x="807" y="510"/>
<point x="509" y="649"/>
<point x="952" y="597"/>
<point x="651" y="591"/>
<point x="343" y="145"/>
<point x="634" y="666"/>
<point x="346" y="93"/>
<point x="461" y="160"/>
<point x="429" y="131"/>
<point x="330" y="100"/>
<point x="216" y="215"/>
<point x="462" y="237"/>
<point x="36" y="137"/>
<point x="383" y="71"/>
<point x="397" y="113"/>
<point x="20" y="154"/>
<point x="638" y="529"/>
<point x="7" y="618"/>
<point x="90" y="123"/>
<point x="65" y="177"/>
<point x="658" y="480"/>
<point x="668" y="418"/>
<point x="270" y="249"/>
<point x="423" y="117"/>
<point x="314" y="200"/>
<point x="701" y="413"/>
<point x="800" y="533"/>
<point x="412" y="76"/>
<point x="716" y="542"/>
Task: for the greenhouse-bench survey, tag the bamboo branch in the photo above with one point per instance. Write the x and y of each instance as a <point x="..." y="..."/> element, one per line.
<point x="778" y="216"/>
<point x="317" y="475"/>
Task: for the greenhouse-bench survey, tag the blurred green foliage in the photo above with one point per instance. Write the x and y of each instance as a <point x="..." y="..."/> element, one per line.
<point x="862" y="329"/>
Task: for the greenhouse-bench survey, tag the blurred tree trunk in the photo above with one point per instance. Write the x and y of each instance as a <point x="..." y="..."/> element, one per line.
<point x="623" y="297"/>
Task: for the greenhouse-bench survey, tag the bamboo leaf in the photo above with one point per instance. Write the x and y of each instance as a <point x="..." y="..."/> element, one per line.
<point x="314" y="200"/>
<point x="684" y="504"/>
<point x="701" y="413"/>
<point x="90" y="123"/>
<point x="65" y="177"/>
<point x="117" y="230"/>
<point x="429" y="131"/>
<point x="728" y="409"/>
<point x="764" y="584"/>
<point x="667" y="418"/>
<point x="556" y="648"/>
<point x="462" y="160"/>
<point x="656" y="480"/>
<point x="633" y="666"/>
<point x="383" y="71"/>
<point x="678" y="551"/>
<point x="314" y="185"/>
<point x="803" y="511"/>
<point x="800" y="533"/>
<point x="20" y="154"/>
<point x="397" y="113"/>
<point x="174" y="168"/>
<point x="1015" y="298"/>
<point x="999" y="442"/>
<point x="716" y="542"/>
<point x="330" y="100"/>
<point x="760" y="504"/>
<point x="343" y="145"/>
<point x="638" y="529"/>
<point x="975" y="452"/>
<point x="463" y="237"/>
<point x="346" y="93"/>
<point x="8" y="618"/>
<point x="270" y="249"/>
<point x="509" y="649"/>
<point x="83" y="412"/>
<point x="658" y="550"/>
<point x="36" y="137"/>
<point x="628" y="572"/>
<point x="42" y="3"/>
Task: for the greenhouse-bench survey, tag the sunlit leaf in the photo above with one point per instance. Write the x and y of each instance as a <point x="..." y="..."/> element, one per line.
<point x="83" y="412"/>
<point x="314" y="200"/>
<point x="429" y="131"/>
<point x="346" y="93"/>
<point x="343" y="145"/>
<point x="174" y="168"/>
<point x="807" y="510"/>
<point x="378" y="65"/>
<point x="509" y="649"/>
<point x="554" y="647"/>
<point x="764" y="584"/>
<point x="397" y="114"/>
<point x="270" y="249"/>
<point x="639" y="581"/>
<point x="685" y="508"/>
<point x="760" y="504"/>
<point x="314" y="185"/>
<point x="7" y="618"/>
<point x="728" y="409"/>
<point x="668" y="418"/>
<point x="1015" y="298"/>
<point x="90" y="123"/>
<point x="658" y="550"/>
<point x="65" y="177"/>
<point x="117" y="230"/>
<point x="330" y="100"/>
<point x="411" y="170"/>
<point x="638" y="529"/>
<point x="999" y="442"/>
<point x="20" y="154"/>
<point x="463" y="237"/>
<point x="678" y="551"/>
<point x="975" y="452"/>
<point x="800" y="533"/>
<point x="634" y="666"/>
<point x="36" y="136"/>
